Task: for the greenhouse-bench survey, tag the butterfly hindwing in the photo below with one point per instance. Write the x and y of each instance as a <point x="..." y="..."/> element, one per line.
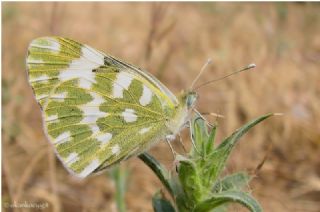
<point x="97" y="110"/>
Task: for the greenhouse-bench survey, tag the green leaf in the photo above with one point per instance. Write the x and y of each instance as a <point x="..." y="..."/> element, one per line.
<point x="220" y="155"/>
<point x="199" y="135"/>
<point x="231" y="140"/>
<point x="211" y="139"/>
<point x="235" y="181"/>
<point x="181" y="200"/>
<point x="189" y="179"/>
<point x="196" y="187"/>
<point x="160" y="204"/>
<point x="159" y="170"/>
<point x="215" y="162"/>
<point x="229" y="196"/>
<point x="221" y="208"/>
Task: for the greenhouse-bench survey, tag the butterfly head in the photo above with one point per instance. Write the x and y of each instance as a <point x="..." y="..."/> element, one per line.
<point x="187" y="101"/>
<point x="190" y="98"/>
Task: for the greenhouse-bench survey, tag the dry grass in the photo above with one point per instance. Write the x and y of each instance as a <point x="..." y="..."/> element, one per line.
<point x="174" y="40"/>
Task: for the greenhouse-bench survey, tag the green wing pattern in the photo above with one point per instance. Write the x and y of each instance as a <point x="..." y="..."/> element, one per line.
<point x="97" y="110"/>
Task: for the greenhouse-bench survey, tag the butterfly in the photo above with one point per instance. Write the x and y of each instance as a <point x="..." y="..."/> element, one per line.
<point x="98" y="110"/>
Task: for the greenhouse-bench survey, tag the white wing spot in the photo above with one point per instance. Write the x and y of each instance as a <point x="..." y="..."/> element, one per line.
<point x="52" y="118"/>
<point x="122" y="82"/>
<point x="59" y="97"/>
<point x="104" y="138"/>
<point x="32" y="60"/>
<point x="97" y="99"/>
<point x="73" y="157"/>
<point x="82" y="68"/>
<point x="85" y="83"/>
<point x="53" y="45"/>
<point x="92" y="113"/>
<point x="92" y="55"/>
<point x="90" y="168"/>
<point x="41" y="96"/>
<point x="146" y="96"/>
<point x="42" y="78"/>
<point x="94" y="128"/>
<point x="129" y="115"/>
<point x="144" y="130"/>
<point x="62" y="138"/>
<point x="115" y="149"/>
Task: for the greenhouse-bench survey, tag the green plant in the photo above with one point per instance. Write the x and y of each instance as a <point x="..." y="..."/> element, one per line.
<point x="198" y="186"/>
<point x="119" y="175"/>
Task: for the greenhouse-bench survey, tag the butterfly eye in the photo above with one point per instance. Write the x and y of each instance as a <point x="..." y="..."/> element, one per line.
<point x="191" y="99"/>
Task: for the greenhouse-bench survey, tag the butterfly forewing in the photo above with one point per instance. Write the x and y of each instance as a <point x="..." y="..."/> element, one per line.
<point x="96" y="109"/>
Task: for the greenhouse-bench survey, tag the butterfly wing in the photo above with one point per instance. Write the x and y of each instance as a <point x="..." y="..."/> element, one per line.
<point x="97" y="110"/>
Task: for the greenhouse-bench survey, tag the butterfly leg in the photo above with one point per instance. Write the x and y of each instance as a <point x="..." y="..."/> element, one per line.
<point x="180" y="141"/>
<point x="170" y="138"/>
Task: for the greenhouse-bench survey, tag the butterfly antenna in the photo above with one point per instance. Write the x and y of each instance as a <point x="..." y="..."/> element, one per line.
<point x="209" y="61"/>
<point x="180" y="141"/>
<point x="250" y="66"/>
<point x="212" y="114"/>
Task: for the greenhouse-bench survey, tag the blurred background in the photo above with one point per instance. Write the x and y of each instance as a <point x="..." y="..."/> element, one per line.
<point x="173" y="41"/>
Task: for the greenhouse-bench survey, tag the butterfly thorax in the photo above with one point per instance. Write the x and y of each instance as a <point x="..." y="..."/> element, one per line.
<point x="187" y="100"/>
